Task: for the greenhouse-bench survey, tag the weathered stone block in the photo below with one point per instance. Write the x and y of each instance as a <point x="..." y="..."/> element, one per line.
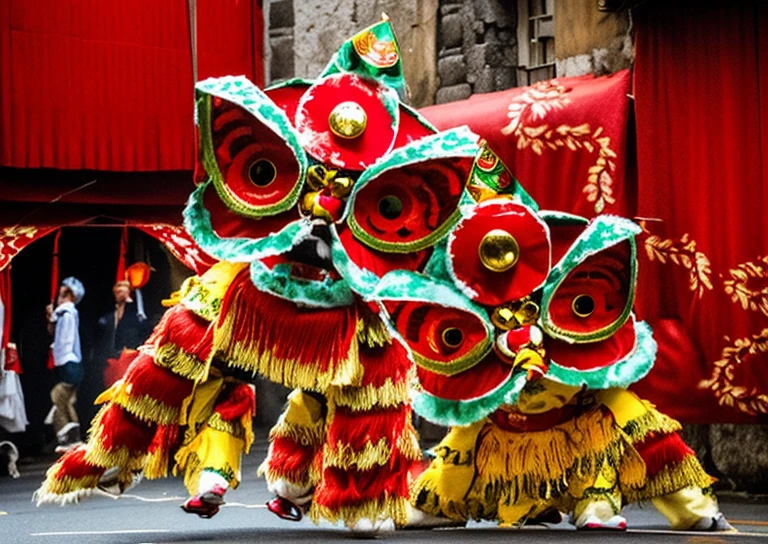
<point x="448" y="7"/>
<point x="739" y="451"/>
<point x="451" y="34"/>
<point x="452" y="70"/>
<point x="485" y="81"/>
<point x="450" y="52"/>
<point x="281" y="58"/>
<point x="485" y="54"/>
<point x="505" y="78"/>
<point x="496" y="12"/>
<point x="281" y="14"/>
<point x="453" y="93"/>
<point x="697" y="438"/>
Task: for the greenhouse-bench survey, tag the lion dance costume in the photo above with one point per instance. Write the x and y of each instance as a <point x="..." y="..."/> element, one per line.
<point x="525" y="343"/>
<point x="354" y="240"/>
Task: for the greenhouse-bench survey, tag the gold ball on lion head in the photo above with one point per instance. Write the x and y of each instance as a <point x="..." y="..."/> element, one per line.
<point x="347" y="120"/>
<point x="498" y="250"/>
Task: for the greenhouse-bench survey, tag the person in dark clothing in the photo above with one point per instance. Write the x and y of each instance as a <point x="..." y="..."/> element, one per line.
<point x="124" y="328"/>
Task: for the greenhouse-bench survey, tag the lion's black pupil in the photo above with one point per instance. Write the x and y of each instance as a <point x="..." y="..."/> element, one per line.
<point x="453" y="337"/>
<point x="262" y="173"/>
<point x="390" y="207"/>
<point x="584" y="305"/>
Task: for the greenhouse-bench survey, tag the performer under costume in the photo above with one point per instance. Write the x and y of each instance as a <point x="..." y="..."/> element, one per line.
<point x="173" y="410"/>
<point x="524" y="339"/>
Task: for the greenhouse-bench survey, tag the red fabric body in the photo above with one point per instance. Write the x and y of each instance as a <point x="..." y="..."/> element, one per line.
<point x="236" y="401"/>
<point x="290" y="459"/>
<point x="701" y="90"/>
<point x="74" y="465"/>
<point x="116" y="367"/>
<point x="187" y="330"/>
<point x="553" y="168"/>
<point x="662" y="451"/>
<point x="389" y="362"/>
<point x="147" y="379"/>
<point x="166" y="438"/>
<point x="356" y="428"/>
<point x="107" y="85"/>
<point x="340" y="488"/>
<point x="121" y="429"/>
<point x="264" y="322"/>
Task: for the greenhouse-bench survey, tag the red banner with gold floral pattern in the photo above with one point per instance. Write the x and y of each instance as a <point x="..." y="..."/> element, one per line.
<point x="14" y="239"/>
<point x="701" y="90"/>
<point x="178" y="242"/>
<point x="565" y="140"/>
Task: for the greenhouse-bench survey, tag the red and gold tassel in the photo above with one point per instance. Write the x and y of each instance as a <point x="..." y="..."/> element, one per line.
<point x="258" y="332"/>
<point x="671" y="466"/>
<point x="371" y="447"/>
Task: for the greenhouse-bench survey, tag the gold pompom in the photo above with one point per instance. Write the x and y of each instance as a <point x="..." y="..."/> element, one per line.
<point x="347" y="120"/>
<point x="498" y="251"/>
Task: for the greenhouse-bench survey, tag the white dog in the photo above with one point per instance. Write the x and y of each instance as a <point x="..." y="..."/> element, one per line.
<point x="9" y="450"/>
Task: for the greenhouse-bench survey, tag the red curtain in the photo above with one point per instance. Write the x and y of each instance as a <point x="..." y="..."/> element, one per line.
<point x="701" y="102"/>
<point x="5" y="299"/>
<point x="565" y="139"/>
<point x="107" y="84"/>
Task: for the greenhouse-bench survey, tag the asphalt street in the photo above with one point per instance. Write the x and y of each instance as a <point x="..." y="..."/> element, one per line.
<point x="150" y="513"/>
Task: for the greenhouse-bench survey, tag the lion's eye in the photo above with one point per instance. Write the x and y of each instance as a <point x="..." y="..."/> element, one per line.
<point x="262" y="172"/>
<point x="253" y="165"/>
<point x="583" y="306"/>
<point x="408" y="208"/>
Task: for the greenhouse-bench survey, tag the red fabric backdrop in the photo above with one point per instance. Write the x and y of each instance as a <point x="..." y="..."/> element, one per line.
<point x="107" y="84"/>
<point x="701" y="101"/>
<point x="565" y="139"/>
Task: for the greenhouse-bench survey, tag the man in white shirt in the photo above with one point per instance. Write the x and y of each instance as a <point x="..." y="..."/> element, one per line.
<point x="64" y="322"/>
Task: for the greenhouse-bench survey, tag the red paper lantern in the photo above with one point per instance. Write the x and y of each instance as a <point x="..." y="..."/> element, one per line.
<point x="138" y="275"/>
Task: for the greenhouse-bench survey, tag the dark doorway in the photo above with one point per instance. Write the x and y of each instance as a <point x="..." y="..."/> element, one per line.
<point x="90" y="254"/>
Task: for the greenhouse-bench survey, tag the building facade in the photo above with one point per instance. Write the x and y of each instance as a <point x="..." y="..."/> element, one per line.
<point x="455" y="48"/>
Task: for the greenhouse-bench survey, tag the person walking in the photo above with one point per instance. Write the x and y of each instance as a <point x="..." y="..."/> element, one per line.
<point x="64" y="323"/>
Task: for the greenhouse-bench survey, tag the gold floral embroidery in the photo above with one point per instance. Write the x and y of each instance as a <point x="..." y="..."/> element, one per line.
<point x="9" y="238"/>
<point x="534" y="105"/>
<point x="742" y="289"/>
<point x="683" y="253"/>
<point x="749" y="401"/>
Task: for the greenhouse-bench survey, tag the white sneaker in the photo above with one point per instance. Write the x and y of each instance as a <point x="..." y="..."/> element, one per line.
<point x="594" y="523"/>
<point x="717" y="524"/>
<point x="367" y="528"/>
<point x="69" y="433"/>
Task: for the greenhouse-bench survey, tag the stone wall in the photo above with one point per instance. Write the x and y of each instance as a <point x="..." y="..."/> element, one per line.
<point x="477" y="48"/>
<point x="735" y="454"/>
